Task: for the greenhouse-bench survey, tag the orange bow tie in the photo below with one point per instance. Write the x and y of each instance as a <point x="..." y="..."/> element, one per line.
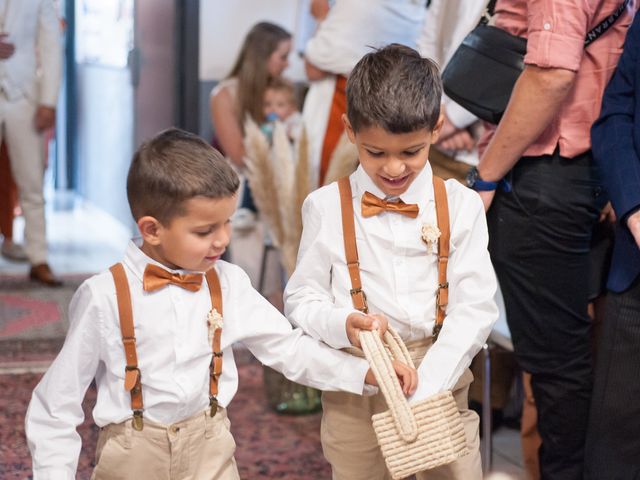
<point x="372" y="205"/>
<point x="156" y="277"/>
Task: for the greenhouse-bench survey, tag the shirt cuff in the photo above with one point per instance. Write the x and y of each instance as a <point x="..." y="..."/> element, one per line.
<point x="354" y="371"/>
<point x="458" y="115"/>
<point x="55" y="473"/>
<point x="546" y="49"/>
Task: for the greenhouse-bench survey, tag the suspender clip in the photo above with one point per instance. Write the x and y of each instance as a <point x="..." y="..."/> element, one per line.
<point x="137" y="421"/>
<point x="436" y="331"/>
<point x="213" y="405"/>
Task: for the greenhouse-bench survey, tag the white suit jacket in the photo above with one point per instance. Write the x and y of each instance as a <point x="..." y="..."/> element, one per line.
<point x="34" y="70"/>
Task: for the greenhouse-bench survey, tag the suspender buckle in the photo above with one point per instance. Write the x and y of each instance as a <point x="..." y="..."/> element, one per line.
<point x="359" y="299"/>
<point x="137" y="421"/>
<point x="213" y="405"/>
<point x="442" y="294"/>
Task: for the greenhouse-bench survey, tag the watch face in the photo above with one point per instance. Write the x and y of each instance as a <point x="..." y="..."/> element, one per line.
<point x="472" y="177"/>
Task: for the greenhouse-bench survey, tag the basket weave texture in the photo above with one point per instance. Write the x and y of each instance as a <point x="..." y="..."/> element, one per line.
<point x="417" y="437"/>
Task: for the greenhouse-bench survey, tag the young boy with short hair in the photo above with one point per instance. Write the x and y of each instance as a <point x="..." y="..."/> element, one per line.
<point x="156" y="334"/>
<point x="393" y="117"/>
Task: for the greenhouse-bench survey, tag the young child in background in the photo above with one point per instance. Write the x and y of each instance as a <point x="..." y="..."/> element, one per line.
<point x="393" y="117"/>
<point x="280" y="105"/>
<point x="156" y="334"/>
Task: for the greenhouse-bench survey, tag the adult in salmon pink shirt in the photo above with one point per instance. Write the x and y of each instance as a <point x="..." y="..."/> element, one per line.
<point x="540" y="231"/>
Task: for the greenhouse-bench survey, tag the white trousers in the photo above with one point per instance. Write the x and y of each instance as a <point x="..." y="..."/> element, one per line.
<point x="26" y="154"/>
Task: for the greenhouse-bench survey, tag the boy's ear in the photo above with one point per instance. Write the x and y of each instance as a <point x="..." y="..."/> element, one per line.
<point x="435" y="134"/>
<point x="149" y="229"/>
<point x="349" y="129"/>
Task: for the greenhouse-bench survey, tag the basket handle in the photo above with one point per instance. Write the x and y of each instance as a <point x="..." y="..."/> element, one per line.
<point x="379" y="359"/>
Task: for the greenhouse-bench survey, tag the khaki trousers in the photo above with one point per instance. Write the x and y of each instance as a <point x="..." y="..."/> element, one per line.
<point x="26" y="154"/>
<point x="349" y="441"/>
<point x="198" y="448"/>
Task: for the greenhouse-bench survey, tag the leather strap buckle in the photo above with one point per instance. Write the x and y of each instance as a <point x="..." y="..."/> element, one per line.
<point x="443" y="291"/>
<point x="359" y="299"/>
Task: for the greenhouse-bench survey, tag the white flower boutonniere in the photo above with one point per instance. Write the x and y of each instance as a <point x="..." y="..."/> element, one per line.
<point x="214" y="321"/>
<point x="430" y="236"/>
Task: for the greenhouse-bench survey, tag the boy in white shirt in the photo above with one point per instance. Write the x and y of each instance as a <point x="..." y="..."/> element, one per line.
<point x="159" y="345"/>
<point x="393" y="117"/>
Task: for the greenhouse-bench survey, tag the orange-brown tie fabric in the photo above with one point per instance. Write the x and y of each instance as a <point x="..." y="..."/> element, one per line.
<point x="372" y="205"/>
<point x="156" y="277"/>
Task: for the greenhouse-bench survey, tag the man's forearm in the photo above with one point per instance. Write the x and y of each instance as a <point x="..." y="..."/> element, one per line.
<point x="536" y="100"/>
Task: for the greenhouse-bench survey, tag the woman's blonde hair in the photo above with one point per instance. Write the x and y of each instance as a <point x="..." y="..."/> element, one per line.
<point x="251" y="70"/>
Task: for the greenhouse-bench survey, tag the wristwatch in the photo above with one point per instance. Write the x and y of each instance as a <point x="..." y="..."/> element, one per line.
<point x="475" y="182"/>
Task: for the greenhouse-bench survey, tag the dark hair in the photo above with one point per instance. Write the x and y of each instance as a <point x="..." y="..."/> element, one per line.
<point x="250" y="68"/>
<point x="396" y="89"/>
<point x="172" y="167"/>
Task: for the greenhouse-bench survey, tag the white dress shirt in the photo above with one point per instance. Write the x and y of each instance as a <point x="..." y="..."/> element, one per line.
<point x="34" y="27"/>
<point x="173" y="354"/>
<point x="398" y="275"/>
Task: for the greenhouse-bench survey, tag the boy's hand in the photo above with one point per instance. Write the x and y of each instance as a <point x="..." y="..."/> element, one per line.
<point x="359" y="321"/>
<point x="407" y="376"/>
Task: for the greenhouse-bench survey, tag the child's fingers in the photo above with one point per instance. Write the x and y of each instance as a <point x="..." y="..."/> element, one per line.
<point x="408" y="378"/>
<point x="380" y="323"/>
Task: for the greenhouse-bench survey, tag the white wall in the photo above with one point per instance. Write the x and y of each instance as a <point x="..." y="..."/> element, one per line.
<point x="224" y="23"/>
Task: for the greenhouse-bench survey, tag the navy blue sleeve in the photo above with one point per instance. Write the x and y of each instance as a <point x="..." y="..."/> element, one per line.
<point x="615" y="135"/>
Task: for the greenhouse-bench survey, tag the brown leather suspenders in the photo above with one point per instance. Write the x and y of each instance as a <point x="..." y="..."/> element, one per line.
<point x="358" y="296"/>
<point x="132" y="376"/>
<point x="133" y="379"/>
<point x="215" y="367"/>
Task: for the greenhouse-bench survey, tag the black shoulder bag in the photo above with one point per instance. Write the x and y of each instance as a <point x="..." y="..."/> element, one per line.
<point x="485" y="67"/>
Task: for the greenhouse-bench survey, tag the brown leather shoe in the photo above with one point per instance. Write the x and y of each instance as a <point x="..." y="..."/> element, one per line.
<point x="42" y="273"/>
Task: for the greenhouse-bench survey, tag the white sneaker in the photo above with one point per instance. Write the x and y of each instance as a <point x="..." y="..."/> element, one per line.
<point x="13" y="251"/>
<point x="244" y="220"/>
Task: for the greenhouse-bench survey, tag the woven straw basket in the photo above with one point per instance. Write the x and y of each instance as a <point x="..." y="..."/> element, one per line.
<point x="413" y="438"/>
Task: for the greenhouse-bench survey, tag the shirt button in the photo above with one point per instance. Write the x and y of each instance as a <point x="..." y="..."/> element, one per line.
<point x="547" y="26"/>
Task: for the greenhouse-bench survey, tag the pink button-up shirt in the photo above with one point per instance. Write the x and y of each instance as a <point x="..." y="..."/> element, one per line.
<point x="556" y="30"/>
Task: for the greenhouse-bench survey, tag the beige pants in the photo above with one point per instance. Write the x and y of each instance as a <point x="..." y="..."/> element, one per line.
<point x="349" y="441"/>
<point x="198" y="448"/>
<point x="26" y="153"/>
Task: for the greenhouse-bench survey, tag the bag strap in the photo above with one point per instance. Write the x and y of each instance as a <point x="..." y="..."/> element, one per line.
<point x="215" y="367"/>
<point x="442" y="215"/>
<point x="605" y="24"/>
<point x="592" y="35"/>
<point x="132" y="376"/>
<point x="380" y="361"/>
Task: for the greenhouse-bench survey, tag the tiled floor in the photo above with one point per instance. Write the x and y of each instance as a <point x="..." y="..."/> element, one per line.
<point x="86" y="240"/>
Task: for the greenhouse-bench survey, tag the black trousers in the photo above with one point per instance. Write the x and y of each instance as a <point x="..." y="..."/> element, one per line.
<point x="539" y="238"/>
<point x="613" y="438"/>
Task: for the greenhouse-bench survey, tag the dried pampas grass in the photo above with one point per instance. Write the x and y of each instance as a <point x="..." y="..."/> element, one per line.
<point x="343" y="161"/>
<point x="279" y="180"/>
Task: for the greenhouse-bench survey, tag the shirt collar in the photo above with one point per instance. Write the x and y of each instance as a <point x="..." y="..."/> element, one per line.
<point x="420" y="191"/>
<point x="136" y="260"/>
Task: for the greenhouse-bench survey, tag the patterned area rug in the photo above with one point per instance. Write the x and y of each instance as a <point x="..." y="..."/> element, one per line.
<point x="29" y="311"/>
<point x="270" y="445"/>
